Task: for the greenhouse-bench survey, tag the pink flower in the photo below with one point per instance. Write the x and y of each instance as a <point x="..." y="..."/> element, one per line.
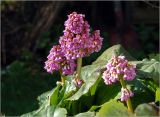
<point x="77" y="41"/>
<point x="57" y="61"/>
<point x="109" y="78"/>
<point x="118" y="66"/>
<point x="73" y="46"/>
<point x="125" y="94"/>
<point x="75" y="23"/>
<point x="97" y="41"/>
<point x="77" y="82"/>
<point x="68" y="67"/>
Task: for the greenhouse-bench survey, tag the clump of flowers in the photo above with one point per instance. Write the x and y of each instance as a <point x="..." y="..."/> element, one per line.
<point x="119" y="69"/>
<point x="76" y="42"/>
<point x="125" y="94"/>
<point x="78" y="82"/>
<point x="116" y="67"/>
<point x="75" y="23"/>
<point x="57" y="61"/>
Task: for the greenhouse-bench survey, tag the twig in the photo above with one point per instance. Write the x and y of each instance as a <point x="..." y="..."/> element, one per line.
<point x="152" y="5"/>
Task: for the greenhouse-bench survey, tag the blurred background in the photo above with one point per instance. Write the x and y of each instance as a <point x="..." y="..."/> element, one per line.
<point x="29" y="30"/>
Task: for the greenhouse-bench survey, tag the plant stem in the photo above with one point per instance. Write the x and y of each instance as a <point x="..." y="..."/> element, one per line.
<point x="79" y="65"/>
<point x="129" y="104"/>
<point x="62" y="77"/>
<point x="122" y="82"/>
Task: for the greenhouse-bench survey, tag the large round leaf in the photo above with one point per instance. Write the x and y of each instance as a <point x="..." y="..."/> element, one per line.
<point x="113" y="108"/>
<point x="145" y="110"/>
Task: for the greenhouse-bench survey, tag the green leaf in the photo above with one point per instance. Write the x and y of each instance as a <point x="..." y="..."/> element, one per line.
<point x="49" y="111"/>
<point x="142" y="97"/>
<point x="70" y="89"/>
<point x="114" y="50"/>
<point x="86" y="114"/>
<point x="60" y="112"/>
<point x="106" y="92"/>
<point x="47" y="97"/>
<point x="94" y="108"/>
<point x="67" y="90"/>
<point x="41" y="112"/>
<point x="149" y="83"/>
<point x="112" y="108"/>
<point x="145" y="110"/>
<point x="95" y="86"/>
<point x="55" y="95"/>
<point x="157" y="95"/>
<point x="44" y="98"/>
<point x="148" y="69"/>
<point x="154" y="56"/>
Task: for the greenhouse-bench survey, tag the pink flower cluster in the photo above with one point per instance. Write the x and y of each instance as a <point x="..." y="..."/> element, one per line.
<point x="125" y="94"/>
<point x="57" y="61"/>
<point x="75" y="23"/>
<point x="116" y="67"/>
<point x="77" y="41"/>
<point x="78" y="82"/>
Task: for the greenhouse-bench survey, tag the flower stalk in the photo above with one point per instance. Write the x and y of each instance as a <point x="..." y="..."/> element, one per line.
<point x="62" y="77"/>
<point x="79" y="66"/>
<point x="128" y="101"/>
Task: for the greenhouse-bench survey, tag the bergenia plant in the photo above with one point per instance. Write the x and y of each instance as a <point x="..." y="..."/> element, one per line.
<point x="94" y="98"/>
<point x="119" y="69"/>
<point x="76" y="43"/>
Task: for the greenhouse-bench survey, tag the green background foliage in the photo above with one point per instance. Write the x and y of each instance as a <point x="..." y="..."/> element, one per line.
<point x="98" y="99"/>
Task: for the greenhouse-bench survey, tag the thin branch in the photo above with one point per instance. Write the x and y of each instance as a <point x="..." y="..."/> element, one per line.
<point x="152" y="5"/>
